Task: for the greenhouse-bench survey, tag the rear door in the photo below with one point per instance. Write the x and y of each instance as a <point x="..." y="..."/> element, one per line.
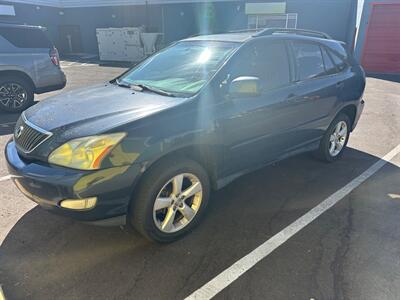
<point x="317" y="90"/>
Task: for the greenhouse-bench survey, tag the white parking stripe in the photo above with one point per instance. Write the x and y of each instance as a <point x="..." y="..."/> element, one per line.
<point x="2" y="297"/>
<point x="8" y="177"/>
<point x="67" y="64"/>
<point x="228" y="276"/>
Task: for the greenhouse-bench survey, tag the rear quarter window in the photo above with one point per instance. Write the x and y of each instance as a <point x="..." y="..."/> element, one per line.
<point x="330" y="67"/>
<point x="26" y="37"/>
<point x="339" y="62"/>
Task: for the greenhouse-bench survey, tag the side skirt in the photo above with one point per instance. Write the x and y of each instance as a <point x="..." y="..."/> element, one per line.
<point x="312" y="146"/>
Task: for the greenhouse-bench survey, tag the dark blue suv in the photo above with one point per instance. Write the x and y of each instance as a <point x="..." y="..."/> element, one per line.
<point x="147" y="148"/>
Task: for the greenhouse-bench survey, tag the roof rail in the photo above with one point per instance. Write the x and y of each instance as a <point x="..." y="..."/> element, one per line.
<point x="14" y="24"/>
<point x="245" y="30"/>
<point x="271" y="31"/>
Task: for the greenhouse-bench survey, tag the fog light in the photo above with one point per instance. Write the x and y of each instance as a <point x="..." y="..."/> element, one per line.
<point x="79" y="204"/>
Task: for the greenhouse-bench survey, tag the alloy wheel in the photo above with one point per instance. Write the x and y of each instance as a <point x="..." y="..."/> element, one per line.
<point x="177" y="203"/>
<point x="12" y="95"/>
<point x="338" y="138"/>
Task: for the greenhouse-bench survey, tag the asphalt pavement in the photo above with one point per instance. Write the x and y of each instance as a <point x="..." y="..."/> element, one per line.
<point x="351" y="251"/>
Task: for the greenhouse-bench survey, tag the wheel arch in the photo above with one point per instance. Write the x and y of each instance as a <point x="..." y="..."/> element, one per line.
<point x="351" y="111"/>
<point x="204" y="155"/>
<point x="201" y="154"/>
<point x="18" y="74"/>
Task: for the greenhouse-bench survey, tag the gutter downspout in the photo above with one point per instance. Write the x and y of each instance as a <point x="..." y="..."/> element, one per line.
<point x="351" y="25"/>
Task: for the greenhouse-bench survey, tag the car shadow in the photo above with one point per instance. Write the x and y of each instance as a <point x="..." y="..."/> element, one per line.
<point x="7" y="122"/>
<point x="47" y="256"/>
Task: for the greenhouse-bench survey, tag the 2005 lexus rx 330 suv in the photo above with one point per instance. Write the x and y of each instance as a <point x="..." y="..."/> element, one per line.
<point x="147" y="148"/>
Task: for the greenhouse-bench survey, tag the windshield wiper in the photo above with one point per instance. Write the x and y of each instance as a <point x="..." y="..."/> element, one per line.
<point x="140" y="87"/>
<point x="122" y="84"/>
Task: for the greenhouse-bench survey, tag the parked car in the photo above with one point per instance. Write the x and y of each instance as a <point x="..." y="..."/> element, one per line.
<point x="147" y="148"/>
<point x="29" y="64"/>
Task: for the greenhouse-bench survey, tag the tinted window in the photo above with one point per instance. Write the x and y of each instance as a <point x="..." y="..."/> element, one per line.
<point x="267" y="61"/>
<point x="25" y="37"/>
<point x="308" y="60"/>
<point x="339" y="62"/>
<point x="329" y="65"/>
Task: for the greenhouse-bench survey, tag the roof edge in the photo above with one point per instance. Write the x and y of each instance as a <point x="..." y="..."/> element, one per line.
<point x="102" y="3"/>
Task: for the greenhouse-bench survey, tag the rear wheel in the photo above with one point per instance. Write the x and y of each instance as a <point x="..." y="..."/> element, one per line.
<point x="170" y="200"/>
<point x="335" y="139"/>
<point x="15" y="94"/>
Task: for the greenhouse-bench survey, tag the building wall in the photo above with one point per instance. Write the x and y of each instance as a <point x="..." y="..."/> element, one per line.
<point x="179" y="20"/>
<point x="34" y="15"/>
<point x="335" y="17"/>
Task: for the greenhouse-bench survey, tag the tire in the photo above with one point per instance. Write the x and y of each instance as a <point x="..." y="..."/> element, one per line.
<point x="325" y="152"/>
<point x="156" y="186"/>
<point x="20" y="91"/>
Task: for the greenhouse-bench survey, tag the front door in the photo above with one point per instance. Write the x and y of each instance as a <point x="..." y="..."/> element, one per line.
<point x="254" y="130"/>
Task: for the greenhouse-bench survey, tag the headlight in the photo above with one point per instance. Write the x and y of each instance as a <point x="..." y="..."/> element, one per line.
<point x="85" y="153"/>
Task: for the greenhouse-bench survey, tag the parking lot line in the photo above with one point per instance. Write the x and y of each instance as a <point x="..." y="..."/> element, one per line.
<point x="8" y="177"/>
<point x="229" y="275"/>
<point x="2" y="297"/>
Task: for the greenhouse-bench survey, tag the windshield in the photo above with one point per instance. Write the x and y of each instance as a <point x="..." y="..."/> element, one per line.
<point x="182" y="69"/>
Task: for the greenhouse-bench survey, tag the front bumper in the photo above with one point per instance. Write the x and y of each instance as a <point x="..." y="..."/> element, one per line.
<point x="49" y="185"/>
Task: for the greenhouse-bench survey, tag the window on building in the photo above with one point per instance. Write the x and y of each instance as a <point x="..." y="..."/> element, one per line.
<point x="309" y="60"/>
<point x="7" y="10"/>
<point x="256" y="21"/>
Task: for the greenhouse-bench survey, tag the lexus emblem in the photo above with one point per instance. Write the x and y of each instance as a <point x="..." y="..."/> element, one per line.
<point x="18" y="131"/>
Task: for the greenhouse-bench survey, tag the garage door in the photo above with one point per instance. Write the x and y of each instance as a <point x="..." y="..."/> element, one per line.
<point x="382" y="44"/>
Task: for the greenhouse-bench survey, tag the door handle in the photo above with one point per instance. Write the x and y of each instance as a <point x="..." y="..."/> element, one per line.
<point x="292" y="98"/>
<point x="340" y="85"/>
<point x="296" y="99"/>
<point x="312" y="98"/>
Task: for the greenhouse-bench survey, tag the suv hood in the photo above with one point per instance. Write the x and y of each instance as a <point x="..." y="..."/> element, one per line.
<point x="96" y="109"/>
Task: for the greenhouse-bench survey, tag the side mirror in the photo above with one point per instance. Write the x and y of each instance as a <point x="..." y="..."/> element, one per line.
<point x="245" y="86"/>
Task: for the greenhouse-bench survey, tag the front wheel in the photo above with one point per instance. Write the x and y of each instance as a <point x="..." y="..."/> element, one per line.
<point x="335" y="139"/>
<point x="170" y="200"/>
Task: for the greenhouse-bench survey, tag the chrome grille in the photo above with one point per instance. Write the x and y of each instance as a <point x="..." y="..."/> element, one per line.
<point x="27" y="136"/>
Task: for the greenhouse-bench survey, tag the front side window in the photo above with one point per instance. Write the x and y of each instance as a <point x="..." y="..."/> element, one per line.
<point x="182" y="69"/>
<point x="309" y="60"/>
<point x="266" y="60"/>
